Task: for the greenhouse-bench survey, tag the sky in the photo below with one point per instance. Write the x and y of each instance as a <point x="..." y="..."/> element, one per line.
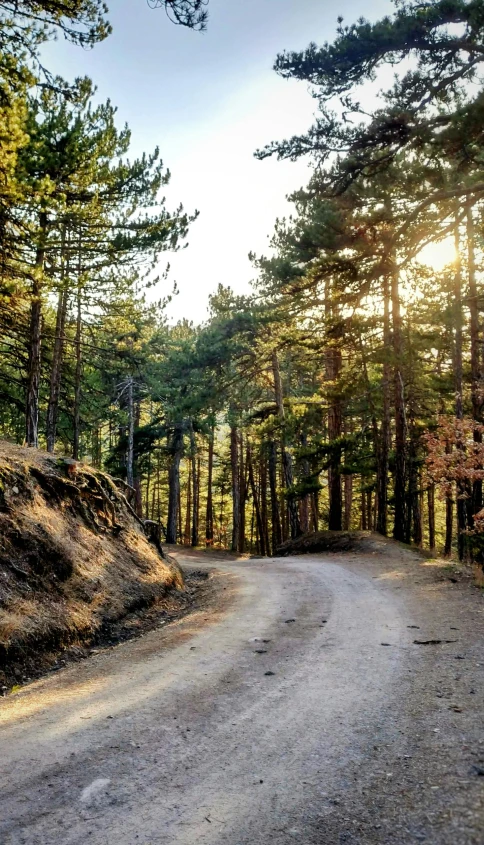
<point x="209" y="100"/>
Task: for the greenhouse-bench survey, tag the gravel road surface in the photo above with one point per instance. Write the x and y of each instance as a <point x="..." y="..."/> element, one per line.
<point x="294" y="708"/>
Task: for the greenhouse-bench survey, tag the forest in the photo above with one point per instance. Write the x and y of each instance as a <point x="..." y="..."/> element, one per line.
<point x="346" y="391"/>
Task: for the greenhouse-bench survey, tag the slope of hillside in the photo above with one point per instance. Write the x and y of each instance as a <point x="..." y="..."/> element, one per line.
<point x="74" y="557"/>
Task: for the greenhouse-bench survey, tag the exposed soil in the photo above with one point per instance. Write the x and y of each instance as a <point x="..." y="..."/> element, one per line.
<point x="74" y="560"/>
<point x="175" y="605"/>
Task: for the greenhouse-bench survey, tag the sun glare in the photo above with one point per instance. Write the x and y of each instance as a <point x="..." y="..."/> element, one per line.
<point x="438" y="255"/>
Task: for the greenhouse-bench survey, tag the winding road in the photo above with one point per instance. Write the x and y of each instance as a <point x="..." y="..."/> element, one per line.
<point x="294" y="707"/>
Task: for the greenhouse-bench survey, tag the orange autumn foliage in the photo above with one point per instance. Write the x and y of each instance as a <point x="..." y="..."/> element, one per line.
<point x="455" y="456"/>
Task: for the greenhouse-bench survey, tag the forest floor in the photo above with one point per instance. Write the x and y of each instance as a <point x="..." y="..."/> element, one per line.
<point x="311" y="699"/>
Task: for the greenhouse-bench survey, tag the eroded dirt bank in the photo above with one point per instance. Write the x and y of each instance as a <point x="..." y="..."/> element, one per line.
<point x="74" y="560"/>
<point x="298" y="708"/>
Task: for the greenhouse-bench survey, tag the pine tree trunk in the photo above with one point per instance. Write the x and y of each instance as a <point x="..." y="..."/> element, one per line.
<point x="458" y="387"/>
<point x="458" y="366"/>
<point x="369" y="524"/>
<point x="363" y="510"/>
<point x="138" y="496"/>
<point x="96" y="447"/>
<point x="304" y="514"/>
<point x="256" y="501"/>
<point x="370" y="517"/>
<point x="78" y="378"/>
<point x="32" y="404"/>
<point x="155" y="488"/>
<point x="195" y="487"/>
<point x="123" y="454"/>
<point x="234" y="466"/>
<point x="449" y="521"/>
<point x="285" y="527"/>
<point x="158" y="495"/>
<point x="476" y="372"/>
<point x="175" y="449"/>
<point x="180" y="522"/>
<point x="348" y="486"/>
<point x="347" y="483"/>
<point x="222" y="533"/>
<point x="188" y="511"/>
<point x="243" y="493"/>
<point x="58" y="352"/>
<point x="304" y="504"/>
<point x="315" y="510"/>
<point x="400" y="420"/>
<point x="417" y="532"/>
<point x="334" y="471"/>
<point x="412" y="474"/>
<point x="292" y="506"/>
<point x="335" y="421"/>
<point x="35" y="342"/>
<point x="275" y="513"/>
<point x="263" y="500"/>
<point x="130" y="455"/>
<point x="384" y="440"/>
<point x="148" y="487"/>
<point x="449" y="515"/>
<point x="137" y="477"/>
<point x="431" y="513"/>
<point x="199" y="487"/>
<point x="209" y="512"/>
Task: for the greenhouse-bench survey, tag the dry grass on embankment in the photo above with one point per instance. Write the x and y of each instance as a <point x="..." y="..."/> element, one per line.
<point x="74" y="558"/>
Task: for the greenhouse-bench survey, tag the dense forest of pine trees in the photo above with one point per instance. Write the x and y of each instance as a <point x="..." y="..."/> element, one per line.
<point x="347" y="391"/>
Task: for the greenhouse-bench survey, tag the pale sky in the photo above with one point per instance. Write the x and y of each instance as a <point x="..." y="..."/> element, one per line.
<point x="208" y="100"/>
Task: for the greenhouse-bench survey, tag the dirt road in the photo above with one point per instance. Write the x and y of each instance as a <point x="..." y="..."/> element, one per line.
<point x="296" y="709"/>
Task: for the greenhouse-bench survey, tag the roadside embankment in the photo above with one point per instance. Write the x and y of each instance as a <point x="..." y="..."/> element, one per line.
<point x="329" y="541"/>
<point x="74" y="559"/>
